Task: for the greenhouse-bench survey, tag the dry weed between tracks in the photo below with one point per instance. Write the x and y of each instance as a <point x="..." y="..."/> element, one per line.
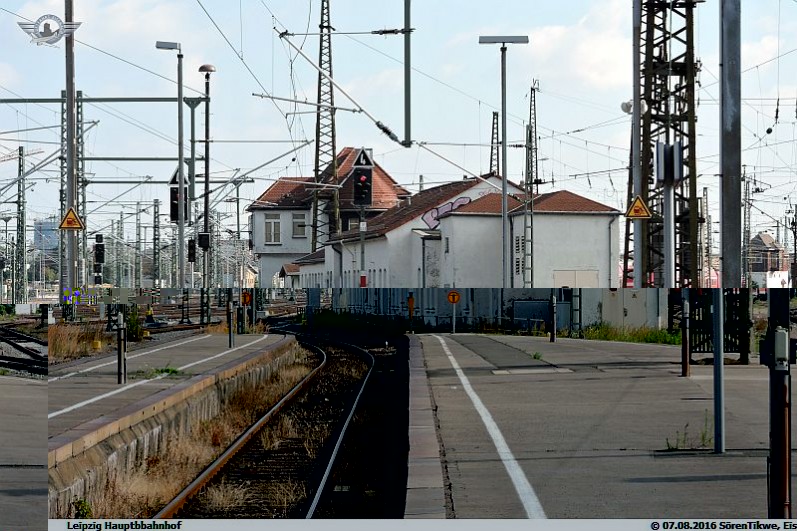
<point x="221" y="328"/>
<point x="149" y="488"/>
<point x="69" y="342"/>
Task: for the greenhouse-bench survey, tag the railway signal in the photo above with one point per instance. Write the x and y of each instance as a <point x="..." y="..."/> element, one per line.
<point x="192" y="251"/>
<point x="363" y="180"/>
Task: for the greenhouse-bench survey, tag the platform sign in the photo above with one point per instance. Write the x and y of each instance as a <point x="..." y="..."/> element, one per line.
<point x="246" y="297"/>
<point x="638" y="210"/>
<point x="71" y="221"/>
<point x="453" y="297"/>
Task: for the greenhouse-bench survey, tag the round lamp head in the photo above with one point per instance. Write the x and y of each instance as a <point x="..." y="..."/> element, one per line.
<point x="207" y="68"/>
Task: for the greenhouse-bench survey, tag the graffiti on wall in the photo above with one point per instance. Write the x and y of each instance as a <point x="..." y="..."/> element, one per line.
<point x="431" y="216"/>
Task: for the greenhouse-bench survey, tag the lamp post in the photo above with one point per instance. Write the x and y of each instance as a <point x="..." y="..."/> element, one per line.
<point x="161" y="45"/>
<point x="503" y="40"/>
<point x="207" y="69"/>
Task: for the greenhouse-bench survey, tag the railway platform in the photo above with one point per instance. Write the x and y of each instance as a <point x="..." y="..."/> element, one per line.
<point x="85" y="398"/>
<point x="23" y="469"/>
<point x="580" y="429"/>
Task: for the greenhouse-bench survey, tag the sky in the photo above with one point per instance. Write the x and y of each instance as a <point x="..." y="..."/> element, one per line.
<point x="580" y="52"/>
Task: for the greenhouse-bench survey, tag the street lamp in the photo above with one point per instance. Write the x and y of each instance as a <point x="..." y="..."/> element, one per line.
<point x="207" y="69"/>
<point x="503" y="40"/>
<point x="161" y="45"/>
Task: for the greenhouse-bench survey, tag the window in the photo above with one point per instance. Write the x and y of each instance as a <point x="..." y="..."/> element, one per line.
<point x="272" y="234"/>
<point x="299" y="226"/>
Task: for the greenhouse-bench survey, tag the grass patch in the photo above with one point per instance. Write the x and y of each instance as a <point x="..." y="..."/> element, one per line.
<point x="4" y="372"/>
<point x="687" y="441"/>
<point x="155" y="372"/>
<point x="223" y="496"/>
<point x="218" y="328"/>
<point x="607" y="332"/>
<point x="536" y="356"/>
<point x="68" y="342"/>
<point x="286" y="494"/>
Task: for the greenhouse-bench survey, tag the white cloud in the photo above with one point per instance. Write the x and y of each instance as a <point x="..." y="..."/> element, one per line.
<point x="9" y="77"/>
<point x="382" y="83"/>
<point x="592" y="53"/>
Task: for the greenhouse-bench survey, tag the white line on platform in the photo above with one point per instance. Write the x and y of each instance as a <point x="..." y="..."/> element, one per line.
<point x="93" y="367"/>
<point x="126" y="387"/>
<point x="522" y="486"/>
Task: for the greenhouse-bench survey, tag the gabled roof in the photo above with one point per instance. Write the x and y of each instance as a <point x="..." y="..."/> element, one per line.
<point x="765" y="241"/>
<point x="289" y="269"/>
<point x="313" y="258"/>
<point x="285" y="192"/>
<point x="410" y="209"/>
<point x="566" y="201"/>
<point x="560" y="201"/>
<point x="293" y="192"/>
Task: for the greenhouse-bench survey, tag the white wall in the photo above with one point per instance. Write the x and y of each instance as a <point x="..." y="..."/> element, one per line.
<point x="288" y="244"/>
<point x="562" y="242"/>
<point x="473" y="259"/>
<point x="572" y="242"/>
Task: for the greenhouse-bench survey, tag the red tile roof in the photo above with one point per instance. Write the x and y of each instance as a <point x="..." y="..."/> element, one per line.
<point x="565" y="201"/>
<point x="289" y="269"/>
<point x="289" y="192"/>
<point x="410" y="209"/>
<point x="552" y="202"/>
<point x="285" y="192"/>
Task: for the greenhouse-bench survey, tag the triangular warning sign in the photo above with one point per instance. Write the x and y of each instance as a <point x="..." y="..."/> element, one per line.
<point x="638" y="209"/>
<point x="71" y="221"/>
<point x="363" y="159"/>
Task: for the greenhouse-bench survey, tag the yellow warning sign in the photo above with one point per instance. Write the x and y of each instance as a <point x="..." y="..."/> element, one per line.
<point x="71" y="221"/>
<point x="638" y="209"/>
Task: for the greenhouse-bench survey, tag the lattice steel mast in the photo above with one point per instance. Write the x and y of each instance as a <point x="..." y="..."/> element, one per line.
<point x="532" y="178"/>
<point x="20" y="262"/>
<point x="325" y="149"/>
<point x="495" y="148"/>
<point x="668" y="70"/>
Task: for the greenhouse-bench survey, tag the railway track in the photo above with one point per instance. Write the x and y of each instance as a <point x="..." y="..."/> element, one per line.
<point x="274" y="476"/>
<point x="23" y="357"/>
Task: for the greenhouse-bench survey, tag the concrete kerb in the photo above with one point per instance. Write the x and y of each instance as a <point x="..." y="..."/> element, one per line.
<point x="82" y="460"/>
<point x="425" y="489"/>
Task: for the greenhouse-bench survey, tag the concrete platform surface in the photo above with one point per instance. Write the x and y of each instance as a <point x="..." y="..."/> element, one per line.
<point x="88" y="390"/>
<point x="590" y="440"/>
<point x="23" y="454"/>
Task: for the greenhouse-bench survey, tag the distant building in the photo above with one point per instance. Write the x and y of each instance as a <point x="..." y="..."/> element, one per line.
<point x="45" y="234"/>
<point x="766" y="256"/>
<point x="281" y="218"/>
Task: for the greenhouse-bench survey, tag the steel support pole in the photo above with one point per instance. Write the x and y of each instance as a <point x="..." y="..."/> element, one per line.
<point x="779" y="461"/>
<point x="669" y="235"/>
<point x="206" y="252"/>
<point x="640" y="247"/>
<point x="686" y="350"/>
<point x="718" y="315"/>
<point x="407" y="76"/>
<point x="504" y="228"/>
<point x="180" y="178"/>
<point x="71" y="184"/>
<point x="363" y="284"/>
<point x="730" y="142"/>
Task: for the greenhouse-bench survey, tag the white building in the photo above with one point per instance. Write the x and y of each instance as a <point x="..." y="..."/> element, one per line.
<point x="281" y="218"/>
<point x="450" y="236"/>
<point x="575" y="243"/>
<point x="402" y="245"/>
